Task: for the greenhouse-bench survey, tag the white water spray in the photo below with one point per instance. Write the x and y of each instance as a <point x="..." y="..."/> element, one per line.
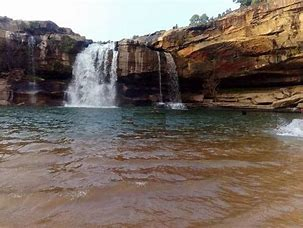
<point x="95" y="76"/>
<point x="294" y="129"/>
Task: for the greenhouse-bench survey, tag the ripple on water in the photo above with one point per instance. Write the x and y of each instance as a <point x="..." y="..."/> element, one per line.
<point x="139" y="166"/>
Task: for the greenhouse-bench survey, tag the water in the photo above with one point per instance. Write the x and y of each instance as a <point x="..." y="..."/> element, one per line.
<point x="160" y="78"/>
<point x="31" y="43"/>
<point x="66" y="167"/>
<point x="32" y="90"/>
<point x="293" y="129"/>
<point x="174" y="91"/>
<point x="175" y="101"/>
<point x="95" y="76"/>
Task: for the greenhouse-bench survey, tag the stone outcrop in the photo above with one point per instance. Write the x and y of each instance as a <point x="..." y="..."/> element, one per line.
<point x="47" y="60"/>
<point x="260" y="98"/>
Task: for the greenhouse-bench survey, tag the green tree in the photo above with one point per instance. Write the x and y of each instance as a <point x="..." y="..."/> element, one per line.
<point x="199" y="20"/>
<point x="248" y="2"/>
<point x="195" y="20"/>
<point x="244" y="2"/>
<point x="204" y="18"/>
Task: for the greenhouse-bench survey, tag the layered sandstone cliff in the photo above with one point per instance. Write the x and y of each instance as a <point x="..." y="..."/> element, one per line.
<point x="256" y="47"/>
<point x="40" y="52"/>
<point x="251" y="58"/>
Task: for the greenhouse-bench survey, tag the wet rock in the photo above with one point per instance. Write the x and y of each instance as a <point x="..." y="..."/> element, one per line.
<point x="5" y="92"/>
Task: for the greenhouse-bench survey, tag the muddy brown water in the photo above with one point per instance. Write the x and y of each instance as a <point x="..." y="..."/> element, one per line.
<point x="142" y="167"/>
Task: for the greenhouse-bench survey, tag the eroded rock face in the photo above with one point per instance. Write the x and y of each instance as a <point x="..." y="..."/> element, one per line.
<point x="43" y="51"/>
<point x="138" y="71"/>
<point x="257" y="47"/>
<point x="260" y="45"/>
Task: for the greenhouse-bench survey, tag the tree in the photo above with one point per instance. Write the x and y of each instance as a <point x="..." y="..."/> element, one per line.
<point x="195" y="19"/>
<point x="204" y="18"/>
<point x="248" y="2"/>
<point x="244" y="2"/>
<point x="199" y="20"/>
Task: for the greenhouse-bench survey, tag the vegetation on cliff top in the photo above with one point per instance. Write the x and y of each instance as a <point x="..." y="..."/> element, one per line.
<point x="248" y="2"/>
<point x="197" y="20"/>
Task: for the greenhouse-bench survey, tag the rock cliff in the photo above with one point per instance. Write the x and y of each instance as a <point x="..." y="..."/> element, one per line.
<point x="39" y="52"/>
<point x="251" y="58"/>
<point x="259" y="47"/>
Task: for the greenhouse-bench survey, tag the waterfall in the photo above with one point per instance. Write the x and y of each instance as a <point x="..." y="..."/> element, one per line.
<point x="31" y="43"/>
<point x="95" y="76"/>
<point x="32" y="90"/>
<point x="160" y="77"/>
<point x="175" y="101"/>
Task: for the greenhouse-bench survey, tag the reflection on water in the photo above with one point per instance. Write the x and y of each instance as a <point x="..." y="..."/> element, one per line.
<point x="147" y="167"/>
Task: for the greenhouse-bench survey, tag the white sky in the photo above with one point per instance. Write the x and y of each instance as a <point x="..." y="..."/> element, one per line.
<point x="113" y="19"/>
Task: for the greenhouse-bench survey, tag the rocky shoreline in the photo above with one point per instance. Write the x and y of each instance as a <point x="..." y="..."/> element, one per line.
<point x="250" y="59"/>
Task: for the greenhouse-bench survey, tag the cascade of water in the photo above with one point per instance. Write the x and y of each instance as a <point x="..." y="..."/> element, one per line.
<point x="32" y="90"/>
<point x="173" y="86"/>
<point x="160" y="77"/>
<point x="95" y="76"/>
<point x="294" y="129"/>
<point x="31" y="43"/>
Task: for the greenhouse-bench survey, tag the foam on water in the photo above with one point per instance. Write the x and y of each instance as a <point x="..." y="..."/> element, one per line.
<point x="176" y="106"/>
<point x="294" y="129"/>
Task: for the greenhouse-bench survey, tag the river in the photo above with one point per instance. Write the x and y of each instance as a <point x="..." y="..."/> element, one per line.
<point x="146" y="167"/>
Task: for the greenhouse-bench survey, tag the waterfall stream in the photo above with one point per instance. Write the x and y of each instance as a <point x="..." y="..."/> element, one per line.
<point x="31" y="43"/>
<point x="95" y="76"/>
<point x="174" y="95"/>
<point x="173" y="90"/>
<point x="160" y="78"/>
<point x="32" y="87"/>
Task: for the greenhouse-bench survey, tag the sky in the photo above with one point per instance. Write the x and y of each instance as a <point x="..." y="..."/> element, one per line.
<point x="103" y="20"/>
